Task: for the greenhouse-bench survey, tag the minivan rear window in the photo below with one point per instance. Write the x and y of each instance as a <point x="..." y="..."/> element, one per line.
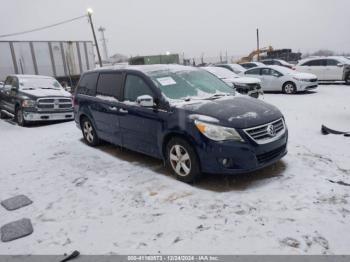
<point x="87" y="84"/>
<point x="110" y="84"/>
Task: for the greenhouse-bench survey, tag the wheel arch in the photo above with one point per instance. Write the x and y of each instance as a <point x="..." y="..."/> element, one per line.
<point x="82" y="116"/>
<point x="183" y="136"/>
<point x="289" y="82"/>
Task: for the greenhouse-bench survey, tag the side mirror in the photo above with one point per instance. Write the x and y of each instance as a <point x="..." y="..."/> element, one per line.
<point x="145" y="101"/>
<point x="340" y="65"/>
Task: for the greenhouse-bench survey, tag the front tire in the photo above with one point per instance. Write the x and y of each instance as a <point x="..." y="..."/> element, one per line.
<point x="289" y="88"/>
<point x="19" y="117"/>
<point x="89" y="132"/>
<point x="182" y="160"/>
<point x="254" y="95"/>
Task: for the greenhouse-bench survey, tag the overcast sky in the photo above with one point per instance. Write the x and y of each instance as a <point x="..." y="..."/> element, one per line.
<point x="191" y="26"/>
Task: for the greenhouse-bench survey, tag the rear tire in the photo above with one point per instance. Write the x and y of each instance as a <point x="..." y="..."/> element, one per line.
<point x="289" y="88"/>
<point x="183" y="160"/>
<point x="89" y="132"/>
<point x="19" y="116"/>
<point x="347" y="79"/>
<point x="2" y="115"/>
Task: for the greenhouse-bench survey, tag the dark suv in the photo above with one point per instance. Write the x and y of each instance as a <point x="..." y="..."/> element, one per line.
<point x="32" y="98"/>
<point x="183" y="115"/>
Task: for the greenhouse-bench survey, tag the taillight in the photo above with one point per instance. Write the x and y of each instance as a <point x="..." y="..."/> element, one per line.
<point x="75" y="101"/>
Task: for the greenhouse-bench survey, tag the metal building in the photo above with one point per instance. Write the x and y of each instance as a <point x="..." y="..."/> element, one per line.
<point x="64" y="60"/>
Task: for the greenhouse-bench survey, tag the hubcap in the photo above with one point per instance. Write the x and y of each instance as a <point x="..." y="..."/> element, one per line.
<point x="88" y="131"/>
<point x="180" y="160"/>
<point x="289" y="88"/>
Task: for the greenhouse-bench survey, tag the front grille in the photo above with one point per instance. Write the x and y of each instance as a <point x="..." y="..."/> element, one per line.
<point x="64" y="100"/>
<point x="47" y="100"/>
<point x="54" y="104"/>
<point x="45" y="106"/>
<point x="65" y="105"/>
<point x="268" y="156"/>
<point x="267" y="133"/>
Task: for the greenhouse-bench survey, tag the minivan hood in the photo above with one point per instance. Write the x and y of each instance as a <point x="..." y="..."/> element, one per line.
<point x="38" y="92"/>
<point x="238" y="111"/>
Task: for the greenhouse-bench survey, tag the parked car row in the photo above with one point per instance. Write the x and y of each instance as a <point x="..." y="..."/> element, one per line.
<point x="191" y="118"/>
<point x="331" y="68"/>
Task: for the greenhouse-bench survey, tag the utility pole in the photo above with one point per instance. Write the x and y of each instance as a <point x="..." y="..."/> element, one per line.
<point x="104" y="44"/>
<point x="257" y="43"/>
<point x="89" y="12"/>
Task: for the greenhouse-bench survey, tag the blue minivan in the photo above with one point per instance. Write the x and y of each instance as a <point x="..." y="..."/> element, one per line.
<point x="184" y="115"/>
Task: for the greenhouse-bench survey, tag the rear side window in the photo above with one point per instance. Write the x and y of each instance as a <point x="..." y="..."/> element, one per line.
<point x="87" y="84"/>
<point x="255" y="71"/>
<point x="135" y="86"/>
<point x="109" y="84"/>
<point x="318" y="62"/>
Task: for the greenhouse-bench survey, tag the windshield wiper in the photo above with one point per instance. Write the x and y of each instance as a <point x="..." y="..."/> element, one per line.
<point x="216" y="96"/>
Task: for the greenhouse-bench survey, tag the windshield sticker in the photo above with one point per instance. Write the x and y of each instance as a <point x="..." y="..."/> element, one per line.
<point x="166" y="81"/>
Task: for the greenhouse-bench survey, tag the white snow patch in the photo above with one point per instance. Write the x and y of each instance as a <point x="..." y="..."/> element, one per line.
<point x="107" y="98"/>
<point x="245" y="115"/>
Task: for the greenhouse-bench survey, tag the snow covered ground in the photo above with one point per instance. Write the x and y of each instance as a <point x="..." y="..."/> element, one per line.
<point x="108" y="201"/>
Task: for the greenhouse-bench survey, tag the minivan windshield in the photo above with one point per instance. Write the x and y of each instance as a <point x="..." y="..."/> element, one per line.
<point x="189" y="84"/>
<point x="38" y="83"/>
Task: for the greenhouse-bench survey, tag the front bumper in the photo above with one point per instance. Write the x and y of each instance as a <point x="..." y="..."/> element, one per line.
<point x="34" y="116"/>
<point x="231" y="157"/>
<point x="304" y="86"/>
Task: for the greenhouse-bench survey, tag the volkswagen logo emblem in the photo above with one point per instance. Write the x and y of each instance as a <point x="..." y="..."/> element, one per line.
<point x="271" y="130"/>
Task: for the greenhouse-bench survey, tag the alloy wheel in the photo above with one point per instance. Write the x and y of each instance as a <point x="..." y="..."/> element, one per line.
<point x="289" y="88"/>
<point x="180" y="160"/>
<point x="88" y="132"/>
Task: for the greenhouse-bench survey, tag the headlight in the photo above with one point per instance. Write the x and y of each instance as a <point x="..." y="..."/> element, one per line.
<point x="218" y="133"/>
<point x="301" y="79"/>
<point x="28" y="103"/>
